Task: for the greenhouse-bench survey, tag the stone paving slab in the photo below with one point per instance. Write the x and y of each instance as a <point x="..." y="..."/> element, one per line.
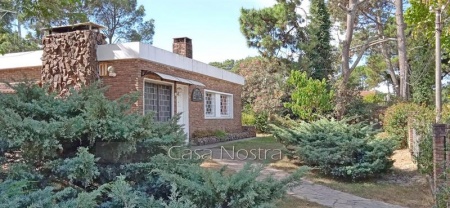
<point x="307" y="190"/>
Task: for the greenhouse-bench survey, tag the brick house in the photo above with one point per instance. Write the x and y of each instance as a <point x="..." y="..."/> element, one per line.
<point x="207" y="97"/>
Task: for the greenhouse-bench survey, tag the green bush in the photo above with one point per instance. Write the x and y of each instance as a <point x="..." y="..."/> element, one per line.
<point x="248" y="119"/>
<point x="220" y="134"/>
<point x="361" y="111"/>
<point x="396" y="118"/>
<point x="210" y="188"/>
<point x="395" y="121"/>
<point x="339" y="149"/>
<point x="310" y="97"/>
<point x="51" y="146"/>
<point x="262" y="122"/>
<point x="374" y="98"/>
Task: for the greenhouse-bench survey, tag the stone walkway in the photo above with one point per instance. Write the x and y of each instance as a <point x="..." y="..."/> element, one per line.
<point x="307" y="190"/>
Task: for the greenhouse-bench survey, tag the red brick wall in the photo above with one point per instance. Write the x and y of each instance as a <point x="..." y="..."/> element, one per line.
<point x="441" y="156"/>
<point x="20" y="74"/>
<point x="129" y="79"/>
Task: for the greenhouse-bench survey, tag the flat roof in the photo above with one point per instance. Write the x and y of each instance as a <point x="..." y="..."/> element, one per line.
<point x="132" y="50"/>
<point x="77" y="26"/>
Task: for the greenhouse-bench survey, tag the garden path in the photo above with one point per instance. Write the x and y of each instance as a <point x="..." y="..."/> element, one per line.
<point x="307" y="190"/>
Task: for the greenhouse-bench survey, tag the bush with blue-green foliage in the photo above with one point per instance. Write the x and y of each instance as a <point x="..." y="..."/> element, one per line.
<point x="84" y="150"/>
<point x="337" y="148"/>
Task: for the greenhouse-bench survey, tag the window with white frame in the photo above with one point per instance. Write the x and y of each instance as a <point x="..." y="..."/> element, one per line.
<point x="218" y="105"/>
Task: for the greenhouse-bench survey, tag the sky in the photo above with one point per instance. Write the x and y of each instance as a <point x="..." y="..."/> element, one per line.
<point x="212" y="25"/>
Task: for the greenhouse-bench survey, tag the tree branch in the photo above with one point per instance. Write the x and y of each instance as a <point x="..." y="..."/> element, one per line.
<point x="360" y="54"/>
<point x="374" y="20"/>
<point x="344" y="8"/>
<point x="375" y="42"/>
<point x="360" y="2"/>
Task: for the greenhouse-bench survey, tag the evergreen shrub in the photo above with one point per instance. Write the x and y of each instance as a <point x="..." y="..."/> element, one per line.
<point x="337" y="148"/>
<point x="49" y="154"/>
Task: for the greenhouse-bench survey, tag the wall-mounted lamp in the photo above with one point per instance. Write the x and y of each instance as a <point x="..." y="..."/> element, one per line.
<point x="178" y="91"/>
<point x="111" y="71"/>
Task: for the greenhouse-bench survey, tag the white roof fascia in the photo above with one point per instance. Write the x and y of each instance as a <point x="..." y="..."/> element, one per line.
<point x="21" y="60"/>
<point x="179" y="79"/>
<point x="133" y="50"/>
<point x="136" y="50"/>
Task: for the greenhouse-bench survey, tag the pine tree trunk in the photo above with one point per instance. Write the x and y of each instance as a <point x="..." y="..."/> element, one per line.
<point x="402" y="58"/>
<point x="346" y="70"/>
<point x="386" y="56"/>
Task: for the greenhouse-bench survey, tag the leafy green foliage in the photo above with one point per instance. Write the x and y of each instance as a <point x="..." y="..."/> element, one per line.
<point x="396" y="117"/>
<point x="264" y="88"/>
<point x="368" y="108"/>
<point x="371" y="75"/>
<point x="310" y="97"/>
<point x="339" y="149"/>
<point x="262" y="122"/>
<point x="422" y="48"/>
<point x="422" y="70"/>
<point x="220" y="134"/>
<point x="11" y="42"/>
<point x="228" y="64"/>
<point x="248" y="119"/>
<point x="422" y="119"/>
<point x="374" y="98"/>
<point x="423" y="19"/>
<point x="123" y="19"/>
<point x="33" y="16"/>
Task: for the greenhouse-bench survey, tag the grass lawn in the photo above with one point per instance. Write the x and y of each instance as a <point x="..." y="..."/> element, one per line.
<point x="408" y="192"/>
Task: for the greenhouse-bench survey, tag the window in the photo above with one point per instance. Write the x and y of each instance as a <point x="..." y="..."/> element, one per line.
<point x="158" y="98"/>
<point x="102" y="69"/>
<point x="209" y="105"/>
<point x="218" y="105"/>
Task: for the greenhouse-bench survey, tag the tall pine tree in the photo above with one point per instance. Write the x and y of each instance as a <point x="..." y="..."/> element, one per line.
<point x="318" y="50"/>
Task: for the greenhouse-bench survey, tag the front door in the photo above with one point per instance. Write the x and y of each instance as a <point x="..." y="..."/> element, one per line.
<point x="182" y="93"/>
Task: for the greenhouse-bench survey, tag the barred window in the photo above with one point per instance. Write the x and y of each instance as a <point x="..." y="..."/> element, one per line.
<point x="158" y="98"/>
<point x="224" y="105"/>
<point x="209" y="105"/>
<point x="218" y="105"/>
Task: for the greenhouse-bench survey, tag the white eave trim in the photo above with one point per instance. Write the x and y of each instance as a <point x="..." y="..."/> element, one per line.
<point x="133" y="50"/>
<point x="178" y="79"/>
<point x="21" y="60"/>
<point x="136" y="50"/>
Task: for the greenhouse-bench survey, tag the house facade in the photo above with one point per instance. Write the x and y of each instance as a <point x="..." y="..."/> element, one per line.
<point x="208" y="98"/>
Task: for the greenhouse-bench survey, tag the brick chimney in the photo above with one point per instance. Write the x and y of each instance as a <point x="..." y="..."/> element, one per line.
<point x="183" y="46"/>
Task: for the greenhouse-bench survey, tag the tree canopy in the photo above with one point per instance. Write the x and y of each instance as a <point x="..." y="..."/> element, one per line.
<point x="124" y="20"/>
<point x="275" y="31"/>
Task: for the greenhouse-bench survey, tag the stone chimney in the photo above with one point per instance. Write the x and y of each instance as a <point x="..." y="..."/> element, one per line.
<point x="183" y="46"/>
<point x="70" y="55"/>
